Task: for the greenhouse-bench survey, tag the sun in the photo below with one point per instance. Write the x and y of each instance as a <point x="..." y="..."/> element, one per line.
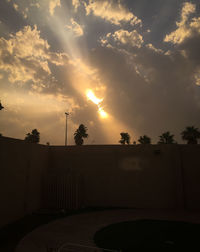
<point x="92" y="97"/>
<point x="102" y="113"/>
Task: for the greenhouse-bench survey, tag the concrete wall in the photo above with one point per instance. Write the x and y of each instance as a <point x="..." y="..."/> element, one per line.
<point x="124" y="176"/>
<point x="190" y="159"/>
<point x="140" y="176"/>
<point x="22" y="168"/>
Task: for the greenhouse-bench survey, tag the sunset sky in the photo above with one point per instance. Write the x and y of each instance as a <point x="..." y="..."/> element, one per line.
<point x="115" y="66"/>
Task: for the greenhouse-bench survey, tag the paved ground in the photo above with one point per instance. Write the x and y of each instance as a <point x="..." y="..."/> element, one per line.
<point x="80" y="229"/>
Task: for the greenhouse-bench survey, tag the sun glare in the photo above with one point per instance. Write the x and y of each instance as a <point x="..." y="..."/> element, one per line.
<point x="102" y="113"/>
<point x="92" y="97"/>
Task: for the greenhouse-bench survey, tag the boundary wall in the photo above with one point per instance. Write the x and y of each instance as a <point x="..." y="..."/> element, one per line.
<point x="135" y="176"/>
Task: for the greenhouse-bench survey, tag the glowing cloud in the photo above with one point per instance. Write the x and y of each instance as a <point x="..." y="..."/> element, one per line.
<point x="52" y="5"/>
<point x="29" y="57"/>
<point x="92" y="97"/>
<point x="112" y="11"/>
<point x="76" y="4"/>
<point x="132" y="38"/>
<point x="123" y="37"/>
<point x="75" y="27"/>
<point x="184" y="28"/>
<point x="102" y="113"/>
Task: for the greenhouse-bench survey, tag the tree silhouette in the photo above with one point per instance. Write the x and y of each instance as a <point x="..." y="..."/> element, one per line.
<point x="79" y="134"/>
<point x="125" y="138"/>
<point x="166" y="138"/>
<point x="1" y="107"/>
<point x="191" y="135"/>
<point x="33" y="137"/>
<point x="144" y="140"/>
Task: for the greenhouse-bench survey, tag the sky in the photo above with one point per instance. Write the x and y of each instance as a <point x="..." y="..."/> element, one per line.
<point x="115" y="66"/>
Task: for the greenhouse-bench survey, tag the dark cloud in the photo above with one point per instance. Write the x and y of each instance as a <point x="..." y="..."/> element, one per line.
<point x="192" y="46"/>
<point x="166" y="102"/>
<point x="12" y="19"/>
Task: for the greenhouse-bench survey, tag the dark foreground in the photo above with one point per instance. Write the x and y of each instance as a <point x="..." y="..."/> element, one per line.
<point x="145" y="232"/>
<point x="13" y="233"/>
<point x="149" y="234"/>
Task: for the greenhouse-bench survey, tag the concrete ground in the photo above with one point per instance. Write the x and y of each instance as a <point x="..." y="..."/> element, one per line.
<point x="76" y="232"/>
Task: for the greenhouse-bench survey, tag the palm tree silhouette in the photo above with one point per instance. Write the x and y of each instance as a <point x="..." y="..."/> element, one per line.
<point x="79" y="134"/>
<point x="144" y="140"/>
<point x="33" y="137"/>
<point x="191" y="135"/>
<point x="125" y="138"/>
<point x="1" y="107"/>
<point x="166" y="138"/>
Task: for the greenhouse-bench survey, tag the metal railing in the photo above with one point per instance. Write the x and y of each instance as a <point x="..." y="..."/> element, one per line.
<point x="63" y="192"/>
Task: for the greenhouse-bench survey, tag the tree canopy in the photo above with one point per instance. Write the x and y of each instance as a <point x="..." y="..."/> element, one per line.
<point x="79" y="134"/>
<point x="144" y="140"/>
<point x="33" y="137"/>
<point x="191" y="135"/>
<point x="166" y="138"/>
<point x="125" y="138"/>
<point x="1" y="107"/>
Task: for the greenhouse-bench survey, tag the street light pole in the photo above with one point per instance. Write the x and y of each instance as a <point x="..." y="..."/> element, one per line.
<point x="66" y="129"/>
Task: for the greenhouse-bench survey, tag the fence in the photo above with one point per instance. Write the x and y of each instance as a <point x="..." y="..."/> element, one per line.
<point x="63" y="192"/>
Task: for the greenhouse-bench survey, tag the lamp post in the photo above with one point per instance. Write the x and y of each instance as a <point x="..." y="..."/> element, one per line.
<point x="66" y="128"/>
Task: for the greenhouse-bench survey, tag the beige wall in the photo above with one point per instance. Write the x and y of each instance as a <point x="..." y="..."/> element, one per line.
<point x="190" y="158"/>
<point x="22" y="167"/>
<point x="141" y="176"/>
<point x="124" y="176"/>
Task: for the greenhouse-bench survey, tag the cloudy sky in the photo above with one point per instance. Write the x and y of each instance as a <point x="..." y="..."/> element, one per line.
<point x="115" y="66"/>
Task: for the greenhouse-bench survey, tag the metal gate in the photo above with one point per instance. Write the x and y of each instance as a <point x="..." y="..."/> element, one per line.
<point x="63" y="192"/>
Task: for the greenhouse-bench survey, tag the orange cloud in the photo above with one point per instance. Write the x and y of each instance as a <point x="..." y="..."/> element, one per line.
<point x="52" y="5"/>
<point x="75" y="27"/>
<point x="185" y="27"/>
<point x="111" y="11"/>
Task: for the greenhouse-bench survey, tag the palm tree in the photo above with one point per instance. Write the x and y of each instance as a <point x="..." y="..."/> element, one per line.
<point x="33" y="137"/>
<point x="191" y="135"/>
<point x="144" y="140"/>
<point x="166" y="138"/>
<point x="79" y="134"/>
<point x="125" y="138"/>
<point x="1" y="107"/>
